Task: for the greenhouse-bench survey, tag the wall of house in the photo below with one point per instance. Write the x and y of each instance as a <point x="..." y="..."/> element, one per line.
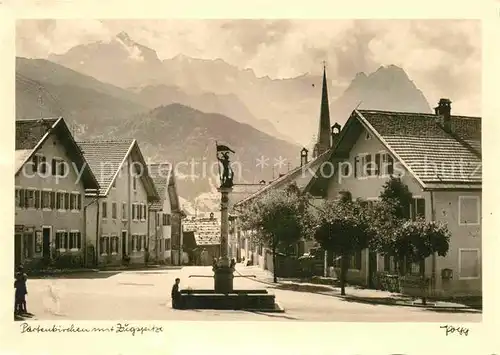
<point x="155" y="236"/>
<point x="167" y="229"/>
<point x="109" y="227"/>
<point x="446" y="206"/>
<point x="461" y="211"/>
<point x="34" y="219"/>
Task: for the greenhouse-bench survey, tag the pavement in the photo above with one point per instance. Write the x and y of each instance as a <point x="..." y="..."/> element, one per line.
<point x="145" y="295"/>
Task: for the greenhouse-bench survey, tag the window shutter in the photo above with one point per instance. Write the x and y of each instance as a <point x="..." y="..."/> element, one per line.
<point x="169" y="220"/>
<point x="35" y="163"/>
<point x="43" y="197"/>
<point x="79" y="201"/>
<point x="107" y="245"/>
<point x="66" y="201"/>
<point x="356" y="166"/>
<point x="133" y="212"/>
<point x="390" y="164"/>
<point x="145" y="213"/>
<point x="377" y="164"/>
<point x="37" y="199"/>
<point x="52" y="199"/>
<point x="71" y="237"/>
<point x="78" y="240"/>
<point x="22" y="198"/>
<point x="66" y="241"/>
<point x="54" y="167"/>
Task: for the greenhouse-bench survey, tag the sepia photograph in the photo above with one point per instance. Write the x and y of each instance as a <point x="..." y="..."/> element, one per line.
<point x="248" y="170"/>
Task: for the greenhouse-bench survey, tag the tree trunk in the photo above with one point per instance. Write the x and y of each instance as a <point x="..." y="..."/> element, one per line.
<point x="424" y="286"/>
<point x="344" y="266"/>
<point x="275" y="266"/>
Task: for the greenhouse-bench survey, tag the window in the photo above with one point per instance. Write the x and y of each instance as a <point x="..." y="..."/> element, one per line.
<point x="104" y="245"/>
<point x="114" y="244"/>
<point x="113" y="185"/>
<point x="42" y="165"/>
<point x="133" y="212"/>
<point x="135" y="243"/>
<point x="124" y="211"/>
<point x="75" y="239"/>
<point x="113" y="210"/>
<point x="469" y="264"/>
<point x="413" y="268"/>
<point x="139" y="211"/>
<point x="166" y="219"/>
<point x="363" y="165"/>
<point x="157" y="219"/>
<point x="387" y="167"/>
<point x="369" y="165"/>
<point x="58" y="167"/>
<point x="104" y="209"/>
<point x="46" y="201"/>
<point x="144" y="212"/>
<point x="29" y="199"/>
<point x="387" y="263"/>
<point x="417" y="208"/>
<point x="66" y="200"/>
<point x="60" y="200"/>
<point x="62" y="240"/>
<point x="73" y="202"/>
<point x="368" y="136"/>
<point x="355" y="261"/>
<point x="134" y="182"/>
<point x="469" y="210"/>
<point x="167" y="244"/>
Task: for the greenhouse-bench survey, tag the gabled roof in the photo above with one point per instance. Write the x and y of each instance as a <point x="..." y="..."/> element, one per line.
<point x="31" y="134"/>
<point x="301" y="175"/>
<point x="206" y="231"/>
<point x="106" y="158"/>
<point x="162" y="175"/>
<point x="436" y="158"/>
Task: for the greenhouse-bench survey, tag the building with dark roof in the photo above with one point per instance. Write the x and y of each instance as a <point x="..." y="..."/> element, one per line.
<point x="165" y="216"/>
<point x="118" y="210"/>
<point x="51" y="176"/>
<point x="439" y="158"/>
<point x="202" y="239"/>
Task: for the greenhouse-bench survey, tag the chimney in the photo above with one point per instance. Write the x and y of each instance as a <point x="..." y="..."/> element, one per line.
<point x="303" y="156"/>
<point x="443" y="111"/>
<point x="262" y="182"/>
<point x="335" y="130"/>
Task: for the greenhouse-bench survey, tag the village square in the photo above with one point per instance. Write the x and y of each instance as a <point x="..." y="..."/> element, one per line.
<point x="378" y="221"/>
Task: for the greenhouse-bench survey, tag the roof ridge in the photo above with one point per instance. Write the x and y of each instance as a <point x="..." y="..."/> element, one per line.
<point x="422" y="114"/>
<point x="106" y="141"/>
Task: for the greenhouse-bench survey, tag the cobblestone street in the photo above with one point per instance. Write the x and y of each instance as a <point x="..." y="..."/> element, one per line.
<point x="145" y="295"/>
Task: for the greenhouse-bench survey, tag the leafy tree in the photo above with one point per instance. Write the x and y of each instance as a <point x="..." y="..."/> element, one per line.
<point x="344" y="229"/>
<point x="280" y="219"/>
<point x="398" y="236"/>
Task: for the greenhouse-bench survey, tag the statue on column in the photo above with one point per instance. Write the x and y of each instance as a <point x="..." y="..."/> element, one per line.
<point x="227" y="174"/>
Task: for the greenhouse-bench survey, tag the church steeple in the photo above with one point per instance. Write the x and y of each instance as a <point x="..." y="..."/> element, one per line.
<point x="324" y="134"/>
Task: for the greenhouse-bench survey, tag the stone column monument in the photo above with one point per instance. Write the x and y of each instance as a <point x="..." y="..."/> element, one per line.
<point x="223" y="270"/>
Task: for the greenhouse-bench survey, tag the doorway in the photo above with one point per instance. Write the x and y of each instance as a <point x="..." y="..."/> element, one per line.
<point x="46" y="237"/>
<point x="124" y="243"/>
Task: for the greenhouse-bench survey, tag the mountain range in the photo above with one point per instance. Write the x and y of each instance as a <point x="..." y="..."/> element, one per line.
<point x="177" y="108"/>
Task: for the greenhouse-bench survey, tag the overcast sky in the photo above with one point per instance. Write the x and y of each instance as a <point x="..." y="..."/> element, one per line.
<point x="442" y="57"/>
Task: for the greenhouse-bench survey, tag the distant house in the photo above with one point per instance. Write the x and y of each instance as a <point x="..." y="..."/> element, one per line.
<point x="117" y="222"/>
<point x="439" y="158"/>
<point x="165" y="228"/>
<point x="202" y="240"/>
<point x="51" y="176"/>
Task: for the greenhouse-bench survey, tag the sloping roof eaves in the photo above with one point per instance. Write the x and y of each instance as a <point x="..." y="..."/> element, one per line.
<point x="28" y="130"/>
<point x="294" y="175"/>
